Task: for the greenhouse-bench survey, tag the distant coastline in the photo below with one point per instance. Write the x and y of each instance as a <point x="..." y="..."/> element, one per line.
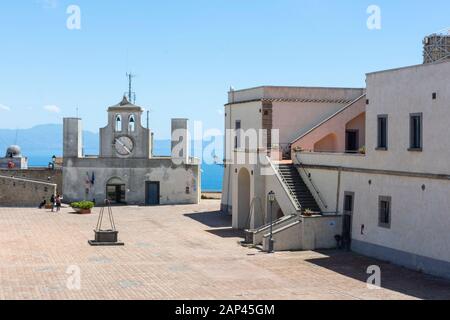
<point x="41" y="142"/>
<point x="212" y="175"/>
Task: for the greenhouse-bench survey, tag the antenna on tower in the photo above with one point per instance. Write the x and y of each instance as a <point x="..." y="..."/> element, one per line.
<point x="131" y="95"/>
<point x="17" y="136"/>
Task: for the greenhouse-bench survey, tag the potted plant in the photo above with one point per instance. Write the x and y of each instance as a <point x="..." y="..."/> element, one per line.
<point x="308" y="213"/>
<point x="362" y="150"/>
<point x="83" y="207"/>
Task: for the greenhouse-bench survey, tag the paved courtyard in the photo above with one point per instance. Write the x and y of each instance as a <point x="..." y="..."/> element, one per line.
<point x="179" y="252"/>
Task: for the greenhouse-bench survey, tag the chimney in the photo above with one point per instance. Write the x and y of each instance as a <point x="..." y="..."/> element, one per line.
<point x="73" y="139"/>
<point x="180" y="141"/>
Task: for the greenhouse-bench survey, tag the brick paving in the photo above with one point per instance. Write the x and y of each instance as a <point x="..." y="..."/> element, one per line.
<point x="179" y="252"/>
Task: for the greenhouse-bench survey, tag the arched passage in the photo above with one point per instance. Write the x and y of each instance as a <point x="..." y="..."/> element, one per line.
<point x="355" y="133"/>
<point x="115" y="190"/>
<point x="243" y="199"/>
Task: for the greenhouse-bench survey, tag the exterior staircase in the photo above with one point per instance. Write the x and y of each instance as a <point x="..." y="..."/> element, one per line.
<point x="299" y="190"/>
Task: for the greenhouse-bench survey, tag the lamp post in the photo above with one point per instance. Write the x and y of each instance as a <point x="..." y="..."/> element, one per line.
<point x="271" y="198"/>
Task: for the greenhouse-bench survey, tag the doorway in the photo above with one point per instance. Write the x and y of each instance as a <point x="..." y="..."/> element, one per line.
<point x="243" y="199"/>
<point x="152" y="193"/>
<point x="115" y="191"/>
<point x="351" y="141"/>
<point x="349" y="200"/>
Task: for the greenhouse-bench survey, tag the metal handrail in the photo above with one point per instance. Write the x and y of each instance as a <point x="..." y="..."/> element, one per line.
<point x="265" y="226"/>
<point x="291" y="194"/>
<point x="312" y="183"/>
<point x="294" y="196"/>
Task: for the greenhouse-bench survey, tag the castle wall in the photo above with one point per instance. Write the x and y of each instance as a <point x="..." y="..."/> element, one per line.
<point x="16" y="192"/>
<point x="41" y="174"/>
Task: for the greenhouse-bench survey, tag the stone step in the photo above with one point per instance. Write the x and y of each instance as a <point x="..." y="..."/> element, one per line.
<point x="301" y="193"/>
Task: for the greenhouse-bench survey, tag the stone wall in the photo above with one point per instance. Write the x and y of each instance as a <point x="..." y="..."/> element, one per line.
<point x="17" y="192"/>
<point x="39" y="174"/>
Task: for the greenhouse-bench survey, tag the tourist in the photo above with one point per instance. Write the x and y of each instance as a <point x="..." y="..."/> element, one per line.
<point x="58" y="203"/>
<point x="43" y="204"/>
<point x="52" y="201"/>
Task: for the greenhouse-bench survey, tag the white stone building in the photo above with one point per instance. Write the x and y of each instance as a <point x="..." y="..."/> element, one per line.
<point x="395" y="198"/>
<point x="291" y="111"/>
<point x="378" y="160"/>
<point x="126" y="171"/>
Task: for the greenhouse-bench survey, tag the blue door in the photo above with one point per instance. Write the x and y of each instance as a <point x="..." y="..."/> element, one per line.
<point x="152" y="193"/>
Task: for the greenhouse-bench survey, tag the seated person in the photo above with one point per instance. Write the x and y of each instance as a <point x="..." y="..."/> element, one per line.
<point x="43" y="204"/>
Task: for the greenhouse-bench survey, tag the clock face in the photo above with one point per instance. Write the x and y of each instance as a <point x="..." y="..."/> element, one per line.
<point x="124" y="146"/>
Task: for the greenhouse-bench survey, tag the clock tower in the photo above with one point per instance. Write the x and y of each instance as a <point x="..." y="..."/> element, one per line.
<point x="124" y="136"/>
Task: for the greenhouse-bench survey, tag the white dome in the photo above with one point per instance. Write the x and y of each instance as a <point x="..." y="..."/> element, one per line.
<point x="13" y="152"/>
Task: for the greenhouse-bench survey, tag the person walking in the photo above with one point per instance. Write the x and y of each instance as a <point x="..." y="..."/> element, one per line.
<point x="58" y="201"/>
<point x="52" y="202"/>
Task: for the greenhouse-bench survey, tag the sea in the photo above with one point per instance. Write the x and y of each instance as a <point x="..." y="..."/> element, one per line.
<point x="212" y="175"/>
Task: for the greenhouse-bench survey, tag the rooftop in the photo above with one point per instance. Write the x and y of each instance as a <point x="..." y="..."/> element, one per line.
<point x="125" y="105"/>
<point x="295" y="94"/>
<point x="417" y="66"/>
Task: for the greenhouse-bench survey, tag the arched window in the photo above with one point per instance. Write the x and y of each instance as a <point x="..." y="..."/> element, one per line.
<point x="118" y="123"/>
<point x="131" y="123"/>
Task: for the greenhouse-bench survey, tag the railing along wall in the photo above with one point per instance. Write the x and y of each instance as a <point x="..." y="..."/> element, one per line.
<point x="315" y="189"/>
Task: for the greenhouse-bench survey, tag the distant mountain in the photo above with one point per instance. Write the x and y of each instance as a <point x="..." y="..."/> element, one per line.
<point x="47" y="140"/>
<point x="41" y="142"/>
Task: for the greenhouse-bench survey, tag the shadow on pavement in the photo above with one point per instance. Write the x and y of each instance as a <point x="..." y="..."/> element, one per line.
<point x="228" y="233"/>
<point x="220" y="223"/>
<point x="215" y="219"/>
<point x="393" y="277"/>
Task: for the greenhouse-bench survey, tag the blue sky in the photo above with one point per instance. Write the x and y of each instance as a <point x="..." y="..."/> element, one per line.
<point x="186" y="54"/>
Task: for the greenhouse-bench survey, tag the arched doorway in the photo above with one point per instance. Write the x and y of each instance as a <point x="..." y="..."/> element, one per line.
<point x="243" y="199"/>
<point x="116" y="190"/>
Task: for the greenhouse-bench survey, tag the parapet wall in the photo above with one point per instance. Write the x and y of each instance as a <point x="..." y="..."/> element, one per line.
<point x="17" y="192"/>
<point x="40" y="174"/>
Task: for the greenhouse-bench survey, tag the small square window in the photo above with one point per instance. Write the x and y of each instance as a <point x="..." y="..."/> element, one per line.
<point x="434" y="95"/>
<point x="384" y="212"/>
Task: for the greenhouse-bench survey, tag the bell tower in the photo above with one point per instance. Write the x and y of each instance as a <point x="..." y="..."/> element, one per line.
<point x="124" y="136"/>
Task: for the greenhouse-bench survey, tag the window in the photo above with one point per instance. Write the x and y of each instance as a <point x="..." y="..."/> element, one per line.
<point x="118" y="123"/>
<point x="384" y="217"/>
<point x="236" y="138"/>
<point x="131" y="124"/>
<point x="415" y="124"/>
<point x="382" y="132"/>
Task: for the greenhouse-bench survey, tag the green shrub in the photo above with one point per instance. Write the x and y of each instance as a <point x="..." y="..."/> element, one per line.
<point x="84" y="205"/>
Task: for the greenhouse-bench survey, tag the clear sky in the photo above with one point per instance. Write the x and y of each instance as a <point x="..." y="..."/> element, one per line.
<point x="187" y="53"/>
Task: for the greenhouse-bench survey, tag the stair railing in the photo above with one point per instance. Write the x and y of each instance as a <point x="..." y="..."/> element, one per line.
<point x="286" y="186"/>
<point x="266" y="225"/>
<point x="308" y="175"/>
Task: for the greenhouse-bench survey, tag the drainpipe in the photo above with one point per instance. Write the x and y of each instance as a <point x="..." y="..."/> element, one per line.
<point x="228" y="165"/>
<point x="338" y="191"/>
